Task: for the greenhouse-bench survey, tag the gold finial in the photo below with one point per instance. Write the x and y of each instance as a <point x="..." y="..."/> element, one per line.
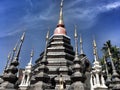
<point x="61" y="13"/>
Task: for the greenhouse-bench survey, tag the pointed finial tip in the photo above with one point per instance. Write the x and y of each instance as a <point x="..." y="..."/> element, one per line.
<point x="62" y="3"/>
<point x="94" y="42"/>
<point x="32" y="53"/>
<point x="60" y="22"/>
<point x="23" y="36"/>
<point x="80" y="38"/>
<point x="48" y="33"/>
<point x="14" y="49"/>
<point x="75" y="31"/>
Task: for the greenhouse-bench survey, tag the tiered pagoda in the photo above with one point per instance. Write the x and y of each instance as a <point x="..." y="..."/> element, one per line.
<point x="59" y="67"/>
<point x="59" y="54"/>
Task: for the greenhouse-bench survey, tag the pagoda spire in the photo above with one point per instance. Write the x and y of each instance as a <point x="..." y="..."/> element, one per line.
<point x="31" y="55"/>
<point x="20" y="45"/>
<point x="11" y="75"/>
<point x="25" y="82"/>
<point x="95" y="50"/>
<point x="77" y="62"/>
<point x="44" y="60"/>
<point x="96" y="63"/>
<point x="76" y="41"/>
<point x="60" y="30"/>
<point x="11" y="57"/>
<point x="14" y="63"/>
<point x="81" y="45"/>
<point x="77" y="76"/>
<point x="42" y="77"/>
<point x="96" y="73"/>
<point x="8" y="60"/>
<point x="14" y="51"/>
<point x="60" y="22"/>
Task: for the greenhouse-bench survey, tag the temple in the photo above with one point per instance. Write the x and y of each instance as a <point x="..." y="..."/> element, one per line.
<point x="59" y="67"/>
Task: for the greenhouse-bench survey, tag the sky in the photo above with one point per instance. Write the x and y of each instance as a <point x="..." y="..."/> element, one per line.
<point x="98" y="18"/>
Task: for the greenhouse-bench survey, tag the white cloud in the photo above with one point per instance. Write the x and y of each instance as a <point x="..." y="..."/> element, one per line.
<point x="31" y="20"/>
<point x="109" y="6"/>
<point x="88" y="13"/>
<point x="41" y="15"/>
<point x="15" y="31"/>
<point x="93" y="10"/>
<point x="112" y="5"/>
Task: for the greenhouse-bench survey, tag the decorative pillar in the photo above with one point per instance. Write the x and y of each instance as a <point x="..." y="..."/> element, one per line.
<point x="97" y="79"/>
<point x="92" y="82"/>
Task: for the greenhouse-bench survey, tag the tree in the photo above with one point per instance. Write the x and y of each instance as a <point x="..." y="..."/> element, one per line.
<point x="115" y="56"/>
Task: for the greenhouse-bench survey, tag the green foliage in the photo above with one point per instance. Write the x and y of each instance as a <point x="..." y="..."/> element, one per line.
<point x="115" y="56"/>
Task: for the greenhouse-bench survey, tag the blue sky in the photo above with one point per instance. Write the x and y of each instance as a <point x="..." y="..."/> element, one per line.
<point x="100" y="18"/>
